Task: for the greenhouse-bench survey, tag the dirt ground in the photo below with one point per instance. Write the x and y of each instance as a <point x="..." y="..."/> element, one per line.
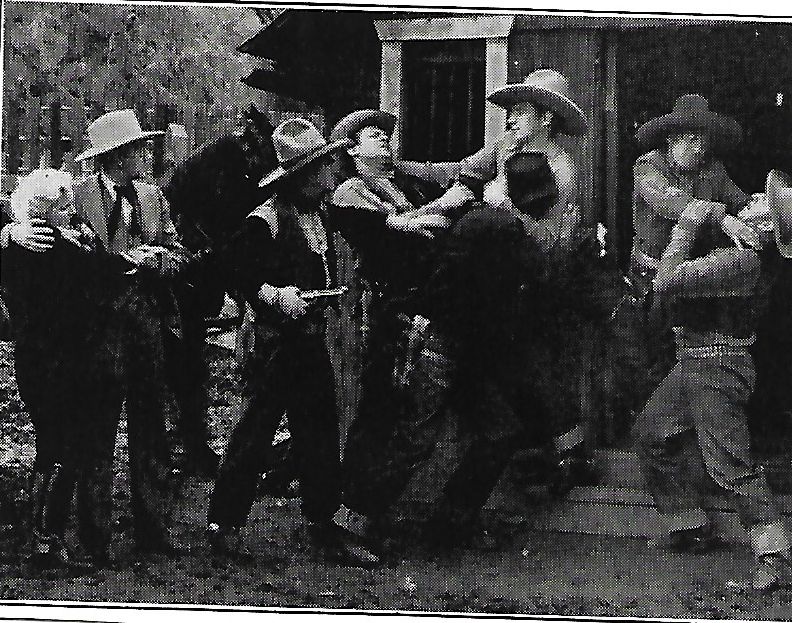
<point x="539" y="573"/>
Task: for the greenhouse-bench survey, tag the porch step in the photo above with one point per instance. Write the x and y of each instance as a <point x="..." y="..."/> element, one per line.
<point x="618" y="506"/>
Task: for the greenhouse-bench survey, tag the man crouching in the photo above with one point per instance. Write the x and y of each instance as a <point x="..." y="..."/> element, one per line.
<point x="698" y="411"/>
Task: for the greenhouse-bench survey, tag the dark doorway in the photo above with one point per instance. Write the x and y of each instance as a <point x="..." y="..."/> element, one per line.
<point x="443" y="99"/>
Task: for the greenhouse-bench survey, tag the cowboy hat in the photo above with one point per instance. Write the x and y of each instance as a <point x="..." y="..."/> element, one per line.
<point x="778" y="191"/>
<point x="112" y="130"/>
<point x="550" y="89"/>
<point x="691" y="113"/>
<point x="297" y="142"/>
<point x="359" y="119"/>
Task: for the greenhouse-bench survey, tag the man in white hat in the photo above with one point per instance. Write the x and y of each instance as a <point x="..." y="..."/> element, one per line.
<point x="282" y="254"/>
<point x="698" y="411"/>
<point x="537" y="111"/>
<point x="132" y="220"/>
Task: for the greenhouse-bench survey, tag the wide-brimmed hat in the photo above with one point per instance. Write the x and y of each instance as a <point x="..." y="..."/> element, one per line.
<point x="531" y="184"/>
<point x="778" y="191"/>
<point x="691" y="113"/>
<point x="297" y="142"/>
<point x="359" y="119"/>
<point x="550" y="89"/>
<point x="112" y="130"/>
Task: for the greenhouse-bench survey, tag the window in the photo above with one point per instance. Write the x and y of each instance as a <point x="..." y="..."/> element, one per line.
<point x="443" y="112"/>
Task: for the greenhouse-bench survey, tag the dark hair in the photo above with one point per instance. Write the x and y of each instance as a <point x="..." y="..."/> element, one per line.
<point x="556" y="121"/>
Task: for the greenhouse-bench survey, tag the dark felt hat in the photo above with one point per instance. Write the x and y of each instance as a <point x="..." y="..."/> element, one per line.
<point x="691" y="113"/>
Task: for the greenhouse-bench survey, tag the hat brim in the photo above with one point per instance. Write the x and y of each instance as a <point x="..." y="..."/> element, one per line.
<point x="95" y="151"/>
<point x="574" y="120"/>
<point x="723" y="131"/>
<point x="282" y="172"/>
<point x="778" y="191"/>
<point x="356" y="121"/>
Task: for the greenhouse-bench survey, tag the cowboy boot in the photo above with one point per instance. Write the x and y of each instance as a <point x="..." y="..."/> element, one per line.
<point x="771" y="569"/>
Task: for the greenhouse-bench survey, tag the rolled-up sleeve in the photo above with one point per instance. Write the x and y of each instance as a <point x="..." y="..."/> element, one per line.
<point x="658" y="192"/>
<point x="720" y="273"/>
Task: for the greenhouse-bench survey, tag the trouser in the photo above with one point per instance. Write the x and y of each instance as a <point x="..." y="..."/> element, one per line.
<point x="488" y="444"/>
<point x="380" y="414"/>
<point x="693" y="436"/>
<point x="651" y="328"/>
<point x="188" y="374"/>
<point x="290" y="374"/>
<point x="131" y="368"/>
<point x="51" y="385"/>
<point x="492" y="436"/>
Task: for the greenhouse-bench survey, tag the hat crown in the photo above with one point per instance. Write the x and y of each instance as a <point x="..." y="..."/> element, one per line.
<point x="114" y="127"/>
<point x="549" y="80"/>
<point x="296" y="138"/>
<point x="692" y="105"/>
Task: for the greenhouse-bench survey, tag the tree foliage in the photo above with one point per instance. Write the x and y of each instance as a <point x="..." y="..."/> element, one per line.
<point x="115" y="54"/>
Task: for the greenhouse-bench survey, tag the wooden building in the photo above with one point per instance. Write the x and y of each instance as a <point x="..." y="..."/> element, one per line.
<point x="434" y="70"/>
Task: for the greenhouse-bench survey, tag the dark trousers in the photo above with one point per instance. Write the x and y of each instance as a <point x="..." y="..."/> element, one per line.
<point x="52" y="385"/>
<point x="488" y="442"/>
<point x="130" y="371"/>
<point x="292" y="375"/>
<point x="693" y="437"/>
<point x="380" y="413"/>
<point x="188" y="374"/>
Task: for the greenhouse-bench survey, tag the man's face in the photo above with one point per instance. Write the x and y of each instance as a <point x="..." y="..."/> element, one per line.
<point x="523" y="122"/>
<point x="373" y="142"/>
<point x="688" y="151"/>
<point x="136" y="164"/>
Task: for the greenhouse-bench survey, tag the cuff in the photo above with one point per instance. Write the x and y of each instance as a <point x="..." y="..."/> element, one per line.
<point x="5" y="235"/>
<point x="267" y="293"/>
<point x="771" y="538"/>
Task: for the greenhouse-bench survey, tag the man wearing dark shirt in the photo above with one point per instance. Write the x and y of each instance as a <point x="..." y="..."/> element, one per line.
<point x="282" y="252"/>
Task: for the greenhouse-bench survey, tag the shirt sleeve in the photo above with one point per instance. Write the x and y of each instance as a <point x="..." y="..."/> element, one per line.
<point x="720" y="273"/>
<point x="657" y="190"/>
<point x="565" y="172"/>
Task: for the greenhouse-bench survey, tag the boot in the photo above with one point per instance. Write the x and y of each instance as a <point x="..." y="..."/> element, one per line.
<point x="341" y="546"/>
<point x="770" y="571"/>
<point x="48" y="548"/>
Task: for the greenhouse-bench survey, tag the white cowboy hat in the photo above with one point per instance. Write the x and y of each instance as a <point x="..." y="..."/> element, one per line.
<point x="778" y="191"/>
<point x="112" y="130"/>
<point x="549" y="89"/>
<point x="297" y="142"/>
<point x="359" y="119"/>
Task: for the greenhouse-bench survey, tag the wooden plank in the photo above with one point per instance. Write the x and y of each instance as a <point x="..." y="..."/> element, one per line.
<point x="391" y="87"/>
<point x="443" y="28"/>
<point x="611" y="143"/>
<point x="496" y="71"/>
